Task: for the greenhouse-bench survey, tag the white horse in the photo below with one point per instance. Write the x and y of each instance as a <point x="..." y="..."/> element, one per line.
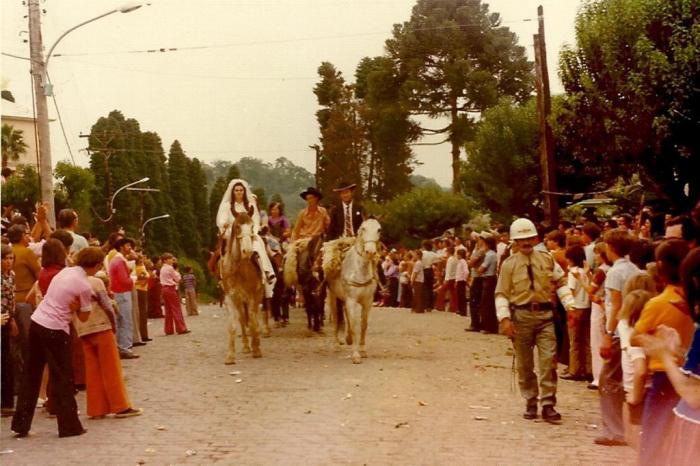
<point x="242" y="283"/>
<point x="354" y="282"/>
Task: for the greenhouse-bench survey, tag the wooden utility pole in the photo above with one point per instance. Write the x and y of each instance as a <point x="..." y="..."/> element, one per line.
<point x="316" y="149"/>
<point x="544" y="110"/>
<point x="38" y="72"/>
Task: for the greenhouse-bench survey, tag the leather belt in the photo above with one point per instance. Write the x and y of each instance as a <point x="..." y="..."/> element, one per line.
<point x="534" y="307"/>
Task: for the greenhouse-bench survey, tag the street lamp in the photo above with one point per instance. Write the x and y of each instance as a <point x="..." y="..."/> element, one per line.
<point x="143" y="228"/>
<point x="125" y="8"/>
<point x="42" y="89"/>
<point x="112" y="210"/>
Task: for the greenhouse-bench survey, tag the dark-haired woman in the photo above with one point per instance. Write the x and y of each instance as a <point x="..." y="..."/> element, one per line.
<point x="278" y="223"/>
<point x="669" y="309"/>
<point x="49" y="343"/>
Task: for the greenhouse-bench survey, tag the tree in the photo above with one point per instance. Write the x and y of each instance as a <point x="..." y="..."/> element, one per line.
<point x="22" y="190"/>
<point x="73" y="191"/>
<point x="502" y="171"/>
<point x="422" y="213"/>
<point x="13" y="145"/>
<point x="632" y="96"/>
<point x="183" y="215"/>
<point x="215" y="196"/>
<point x="457" y="60"/>
<point x="344" y="147"/>
<point x="200" y="203"/>
<point x="388" y="127"/>
<point x="262" y="198"/>
<point x="233" y="173"/>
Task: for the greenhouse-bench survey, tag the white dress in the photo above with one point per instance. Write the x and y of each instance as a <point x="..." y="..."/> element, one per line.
<point x="225" y="219"/>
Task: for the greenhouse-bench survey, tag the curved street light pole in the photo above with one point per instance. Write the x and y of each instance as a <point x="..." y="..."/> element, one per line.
<point x="143" y="228"/>
<point x="112" y="210"/>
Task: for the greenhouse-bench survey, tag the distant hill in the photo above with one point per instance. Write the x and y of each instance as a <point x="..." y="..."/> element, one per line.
<point x="420" y="181"/>
<point x="281" y="177"/>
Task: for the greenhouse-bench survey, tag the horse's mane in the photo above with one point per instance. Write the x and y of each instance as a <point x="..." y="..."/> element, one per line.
<point x="241" y="219"/>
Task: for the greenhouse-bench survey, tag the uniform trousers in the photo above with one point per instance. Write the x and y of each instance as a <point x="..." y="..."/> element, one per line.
<point x="173" y="311"/>
<point x="536" y="329"/>
<point x="52" y="347"/>
<point x="106" y="392"/>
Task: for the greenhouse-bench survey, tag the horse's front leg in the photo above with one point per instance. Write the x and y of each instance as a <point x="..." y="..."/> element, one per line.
<point x="366" y="306"/>
<point x="231" y="356"/>
<point x="354" y="313"/>
<point x="243" y="322"/>
<point x="254" y="331"/>
<point x="266" y="317"/>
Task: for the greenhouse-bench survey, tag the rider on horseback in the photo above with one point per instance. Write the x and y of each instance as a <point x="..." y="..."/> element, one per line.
<point x="239" y="199"/>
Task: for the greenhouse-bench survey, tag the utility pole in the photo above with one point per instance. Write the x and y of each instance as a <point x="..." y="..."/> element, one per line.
<point x="42" y="113"/>
<point x="316" y="149"/>
<point x="544" y="109"/>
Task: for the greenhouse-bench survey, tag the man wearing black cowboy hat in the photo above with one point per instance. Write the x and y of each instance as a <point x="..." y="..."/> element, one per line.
<point x="313" y="220"/>
<point x="347" y="215"/>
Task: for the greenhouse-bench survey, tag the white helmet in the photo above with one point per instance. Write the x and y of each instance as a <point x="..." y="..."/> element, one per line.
<point x="522" y="228"/>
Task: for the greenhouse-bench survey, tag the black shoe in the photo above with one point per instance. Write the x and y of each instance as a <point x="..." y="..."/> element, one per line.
<point x="147" y="339"/>
<point x="73" y="434"/>
<point x="549" y="414"/>
<point x="530" y="412"/>
<point x="592" y="386"/>
<point x="127" y="355"/>
<point x="471" y="329"/>
<point x="185" y="332"/>
<point x="140" y="343"/>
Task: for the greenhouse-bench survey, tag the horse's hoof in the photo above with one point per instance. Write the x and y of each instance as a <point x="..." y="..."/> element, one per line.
<point x="257" y="353"/>
<point x="363" y="353"/>
<point x="230" y="360"/>
<point x="356" y="359"/>
<point x="246" y="349"/>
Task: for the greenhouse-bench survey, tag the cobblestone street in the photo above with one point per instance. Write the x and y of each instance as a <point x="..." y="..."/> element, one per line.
<point x="429" y="393"/>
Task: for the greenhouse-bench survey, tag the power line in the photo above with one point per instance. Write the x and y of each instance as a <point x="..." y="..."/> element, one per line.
<point x="60" y="121"/>
<point x="281" y="41"/>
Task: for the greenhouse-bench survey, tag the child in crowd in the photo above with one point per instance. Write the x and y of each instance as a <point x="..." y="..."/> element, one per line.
<point x="190" y="283"/>
<point x="578" y="318"/>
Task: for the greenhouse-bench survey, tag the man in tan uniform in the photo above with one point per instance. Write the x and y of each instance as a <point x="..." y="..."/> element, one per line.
<point x="524" y="308"/>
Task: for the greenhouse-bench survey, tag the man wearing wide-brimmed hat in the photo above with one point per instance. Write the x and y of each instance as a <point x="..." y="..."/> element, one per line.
<point x="347" y="214"/>
<point x="313" y="220"/>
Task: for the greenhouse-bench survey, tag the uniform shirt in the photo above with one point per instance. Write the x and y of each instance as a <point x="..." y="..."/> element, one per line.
<point x="54" y="311"/>
<point x="169" y="276"/>
<point x="515" y="285"/>
<point x="451" y="268"/>
<point x="310" y="224"/>
<point x="26" y="270"/>
<point x="671" y="309"/>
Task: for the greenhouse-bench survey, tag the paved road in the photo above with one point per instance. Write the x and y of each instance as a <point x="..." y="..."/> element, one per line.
<point x="429" y="393"/>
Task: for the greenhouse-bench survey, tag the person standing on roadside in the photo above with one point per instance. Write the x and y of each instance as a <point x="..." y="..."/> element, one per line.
<point x="525" y="312"/>
<point x="121" y="285"/>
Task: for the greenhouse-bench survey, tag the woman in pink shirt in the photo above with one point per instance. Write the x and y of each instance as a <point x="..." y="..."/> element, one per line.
<point x="50" y="343"/>
<point x="169" y="279"/>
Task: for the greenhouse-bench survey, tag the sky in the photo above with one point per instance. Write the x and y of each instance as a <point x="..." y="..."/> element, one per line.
<point x="241" y="83"/>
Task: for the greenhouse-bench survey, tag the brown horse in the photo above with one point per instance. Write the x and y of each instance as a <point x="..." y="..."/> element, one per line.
<point x="242" y="282"/>
<point x="302" y="268"/>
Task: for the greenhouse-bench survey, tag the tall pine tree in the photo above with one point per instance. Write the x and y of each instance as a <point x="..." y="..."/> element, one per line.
<point x="185" y="220"/>
<point x="200" y="204"/>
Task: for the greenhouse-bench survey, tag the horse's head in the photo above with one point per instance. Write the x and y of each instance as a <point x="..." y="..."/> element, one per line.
<point x="243" y="234"/>
<point x="368" y="238"/>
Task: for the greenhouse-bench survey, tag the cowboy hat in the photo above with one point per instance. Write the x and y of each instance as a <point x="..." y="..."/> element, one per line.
<point x="311" y="190"/>
<point x="343" y="185"/>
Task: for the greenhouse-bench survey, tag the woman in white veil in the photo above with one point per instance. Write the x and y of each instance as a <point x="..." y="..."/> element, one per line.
<point x="240" y="199"/>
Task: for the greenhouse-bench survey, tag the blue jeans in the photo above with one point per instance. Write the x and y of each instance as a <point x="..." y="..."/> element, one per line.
<point x="657" y="419"/>
<point x="125" y="329"/>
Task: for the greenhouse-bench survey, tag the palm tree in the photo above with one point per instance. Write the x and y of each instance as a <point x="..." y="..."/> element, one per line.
<point x="13" y="144"/>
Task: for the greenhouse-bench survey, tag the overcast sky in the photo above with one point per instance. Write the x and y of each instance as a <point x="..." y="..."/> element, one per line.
<point x="245" y="86"/>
